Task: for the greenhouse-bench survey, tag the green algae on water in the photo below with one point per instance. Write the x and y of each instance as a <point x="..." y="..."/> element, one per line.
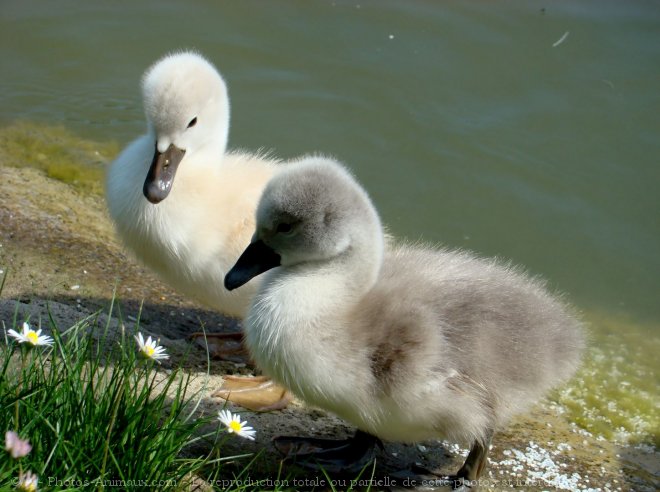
<point x="58" y="152"/>
<point x="616" y="393"/>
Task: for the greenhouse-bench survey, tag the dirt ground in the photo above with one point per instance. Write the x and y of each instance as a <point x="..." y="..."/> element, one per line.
<point x="60" y="252"/>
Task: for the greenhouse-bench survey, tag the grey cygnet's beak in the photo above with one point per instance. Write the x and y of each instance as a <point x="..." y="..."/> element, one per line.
<point x="256" y="259"/>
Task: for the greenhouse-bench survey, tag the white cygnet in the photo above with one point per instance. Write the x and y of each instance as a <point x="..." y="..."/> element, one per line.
<point x="182" y="204"/>
<point x="405" y="342"/>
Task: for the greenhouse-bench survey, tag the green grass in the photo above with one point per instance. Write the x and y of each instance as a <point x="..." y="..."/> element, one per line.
<point x="98" y="415"/>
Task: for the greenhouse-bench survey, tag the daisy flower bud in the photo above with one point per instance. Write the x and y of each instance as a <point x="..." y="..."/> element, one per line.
<point x="16" y="446"/>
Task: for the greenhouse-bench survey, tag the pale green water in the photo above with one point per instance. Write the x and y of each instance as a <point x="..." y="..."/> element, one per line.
<point x="463" y="121"/>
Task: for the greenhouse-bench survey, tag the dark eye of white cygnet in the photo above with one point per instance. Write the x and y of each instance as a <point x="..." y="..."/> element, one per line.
<point x="193" y="122"/>
<point x="284" y="228"/>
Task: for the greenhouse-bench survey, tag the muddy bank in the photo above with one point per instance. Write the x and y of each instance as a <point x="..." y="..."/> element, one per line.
<point x="59" y="249"/>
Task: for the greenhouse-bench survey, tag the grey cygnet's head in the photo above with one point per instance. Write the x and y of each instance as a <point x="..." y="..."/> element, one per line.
<point x="312" y="211"/>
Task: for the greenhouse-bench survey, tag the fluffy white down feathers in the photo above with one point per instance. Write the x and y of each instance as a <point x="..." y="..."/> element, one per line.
<point x="191" y="237"/>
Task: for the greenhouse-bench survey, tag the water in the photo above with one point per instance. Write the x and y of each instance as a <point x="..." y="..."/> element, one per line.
<point x="467" y="126"/>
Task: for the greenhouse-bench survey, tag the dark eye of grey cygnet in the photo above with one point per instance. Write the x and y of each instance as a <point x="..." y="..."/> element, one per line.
<point x="193" y="122"/>
<point x="284" y="228"/>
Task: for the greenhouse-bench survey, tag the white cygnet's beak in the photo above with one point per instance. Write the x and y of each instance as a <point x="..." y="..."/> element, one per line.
<point x="161" y="173"/>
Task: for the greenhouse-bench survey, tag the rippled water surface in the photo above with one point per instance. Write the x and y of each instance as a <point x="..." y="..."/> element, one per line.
<point x="529" y="130"/>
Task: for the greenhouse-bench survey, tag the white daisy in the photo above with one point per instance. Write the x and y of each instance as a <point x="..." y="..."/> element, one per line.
<point x="16" y="446"/>
<point x="27" y="482"/>
<point x="30" y="336"/>
<point x="150" y="349"/>
<point x="234" y="425"/>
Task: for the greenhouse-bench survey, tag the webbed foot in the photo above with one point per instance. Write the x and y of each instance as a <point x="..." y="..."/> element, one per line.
<point x="259" y="393"/>
<point x="224" y="346"/>
<point x="345" y="456"/>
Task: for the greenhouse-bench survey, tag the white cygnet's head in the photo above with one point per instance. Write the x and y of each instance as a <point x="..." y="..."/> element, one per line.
<point x="187" y="110"/>
<point x="312" y="211"/>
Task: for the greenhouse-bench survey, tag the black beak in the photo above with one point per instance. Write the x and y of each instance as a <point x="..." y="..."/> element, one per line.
<point x="161" y="173"/>
<point x="256" y="259"/>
